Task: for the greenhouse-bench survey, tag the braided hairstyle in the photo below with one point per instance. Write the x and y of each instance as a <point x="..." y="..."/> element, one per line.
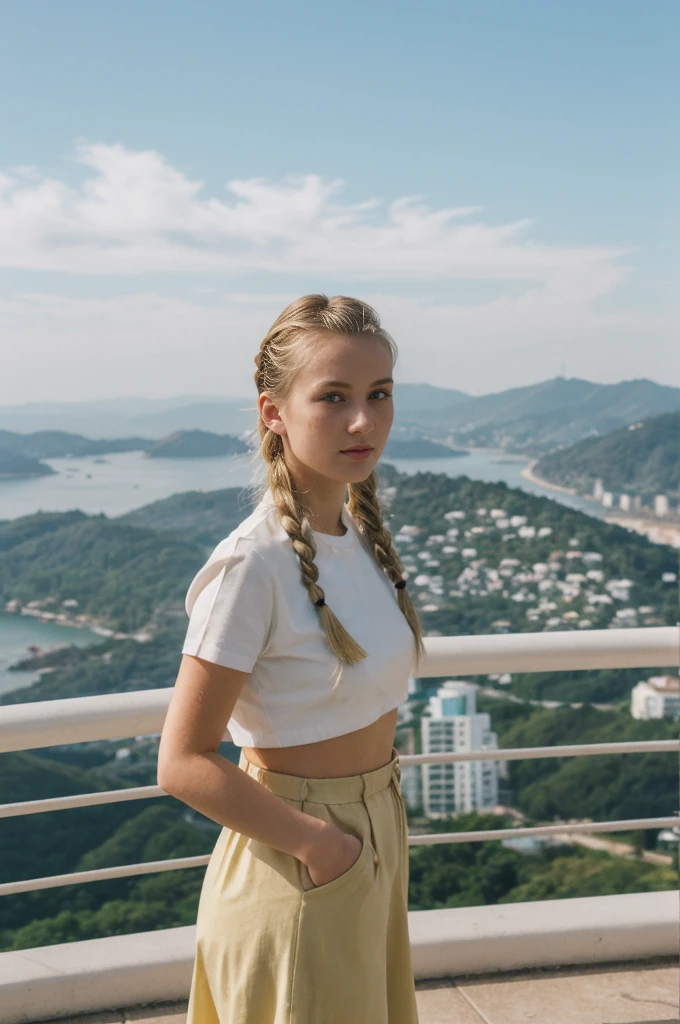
<point x="278" y="360"/>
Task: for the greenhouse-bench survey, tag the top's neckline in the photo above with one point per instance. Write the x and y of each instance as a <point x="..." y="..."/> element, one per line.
<point x="347" y="539"/>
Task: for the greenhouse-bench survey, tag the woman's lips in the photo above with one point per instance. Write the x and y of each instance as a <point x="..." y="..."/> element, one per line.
<point x="357" y="454"/>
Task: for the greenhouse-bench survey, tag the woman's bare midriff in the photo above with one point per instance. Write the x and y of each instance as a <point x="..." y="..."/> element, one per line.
<point x="353" y="753"/>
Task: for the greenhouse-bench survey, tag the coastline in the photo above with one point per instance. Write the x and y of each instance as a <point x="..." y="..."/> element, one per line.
<point x="80" y="622"/>
<point x="528" y="474"/>
<point x="659" y="531"/>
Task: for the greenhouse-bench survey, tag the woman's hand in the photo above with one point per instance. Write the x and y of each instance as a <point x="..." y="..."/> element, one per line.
<point x="333" y="857"/>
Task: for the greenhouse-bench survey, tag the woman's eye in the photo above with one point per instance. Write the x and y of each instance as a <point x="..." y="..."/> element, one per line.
<point x="335" y="394"/>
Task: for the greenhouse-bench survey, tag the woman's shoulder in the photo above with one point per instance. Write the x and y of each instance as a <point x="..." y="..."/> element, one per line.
<point x="247" y="555"/>
<point x="259" y="533"/>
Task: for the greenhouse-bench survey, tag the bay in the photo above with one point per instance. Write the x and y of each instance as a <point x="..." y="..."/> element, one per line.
<point x="18" y="632"/>
<point x="118" y="483"/>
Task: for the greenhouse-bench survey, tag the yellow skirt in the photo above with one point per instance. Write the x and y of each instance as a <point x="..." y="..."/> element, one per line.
<point x="273" y="948"/>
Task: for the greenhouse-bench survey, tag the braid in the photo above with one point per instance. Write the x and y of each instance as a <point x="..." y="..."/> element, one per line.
<point x="298" y="528"/>
<point x="364" y="505"/>
<point x="279" y="358"/>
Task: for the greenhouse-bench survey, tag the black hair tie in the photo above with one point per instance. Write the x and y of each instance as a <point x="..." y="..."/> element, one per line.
<point x="400" y="584"/>
<point x="322" y="600"/>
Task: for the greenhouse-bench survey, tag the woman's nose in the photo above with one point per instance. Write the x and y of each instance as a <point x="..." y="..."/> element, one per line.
<point x="362" y="418"/>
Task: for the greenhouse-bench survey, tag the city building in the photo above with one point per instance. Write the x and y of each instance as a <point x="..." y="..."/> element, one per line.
<point x="451" y="724"/>
<point x="656" y="697"/>
<point x="661" y="506"/>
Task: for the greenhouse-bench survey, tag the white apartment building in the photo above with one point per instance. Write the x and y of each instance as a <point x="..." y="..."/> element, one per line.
<point x="661" y="506"/>
<point x="451" y="724"/>
<point x="656" y="697"/>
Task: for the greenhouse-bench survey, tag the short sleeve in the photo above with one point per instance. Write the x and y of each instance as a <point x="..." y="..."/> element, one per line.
<point x="230" y="607"/>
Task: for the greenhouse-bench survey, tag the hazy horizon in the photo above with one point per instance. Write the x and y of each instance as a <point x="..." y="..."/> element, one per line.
<point x="207" y="396"/>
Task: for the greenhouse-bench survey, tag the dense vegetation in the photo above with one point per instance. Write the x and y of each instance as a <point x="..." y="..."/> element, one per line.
<point x="642" y="458"/>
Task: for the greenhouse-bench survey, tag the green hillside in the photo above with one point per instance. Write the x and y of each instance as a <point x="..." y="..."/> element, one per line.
<point x="642" y="458"/>
<point x="555" y="413"/>
<point x="124" y="578"/>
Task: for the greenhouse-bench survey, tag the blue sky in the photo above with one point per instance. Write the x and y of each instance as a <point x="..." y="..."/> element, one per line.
<point x="498" y="179"/>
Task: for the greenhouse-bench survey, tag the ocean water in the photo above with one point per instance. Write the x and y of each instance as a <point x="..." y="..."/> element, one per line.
<point x="17" y="632"/>
<point x="115" y="484"/>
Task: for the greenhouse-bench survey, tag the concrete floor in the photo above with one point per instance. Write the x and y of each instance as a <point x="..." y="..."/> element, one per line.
<point x="587" y="994"/>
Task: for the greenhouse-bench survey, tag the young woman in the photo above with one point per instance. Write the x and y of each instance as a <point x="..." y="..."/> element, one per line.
<point x="301" y="639"/>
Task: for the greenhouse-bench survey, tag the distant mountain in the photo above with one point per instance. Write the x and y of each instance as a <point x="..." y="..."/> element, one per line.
<point x="191" y="444"/>
<point x="59" y="444"/>
<point x="105" y="417"/>
<point x="508" y="406"/>
<point x="20" y="453"/>
<point x="13" y="466"/>
<point x="531" y="420"/>
<point x="553" y="414"/>
<point x="156" y="418"/>
<point x="412" y="398"/>
<point x="642" y="458"/>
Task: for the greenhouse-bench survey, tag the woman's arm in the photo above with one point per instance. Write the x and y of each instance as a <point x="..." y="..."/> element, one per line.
<point x="191" y="769"/>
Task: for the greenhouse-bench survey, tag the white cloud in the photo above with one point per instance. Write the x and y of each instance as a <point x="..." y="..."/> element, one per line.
<point x="134" y="213"/>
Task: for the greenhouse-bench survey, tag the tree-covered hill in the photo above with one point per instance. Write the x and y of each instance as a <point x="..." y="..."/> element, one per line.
<point x="603" y="787"/>
<point x="203" y="517"/>
<point x="642" y="458"/>
<point x="124" y="578"/>
<point x="557" y="412"/>
<point x="13" y="465"/>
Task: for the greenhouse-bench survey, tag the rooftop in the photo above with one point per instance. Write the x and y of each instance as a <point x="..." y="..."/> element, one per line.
<point x="616" y="993"/>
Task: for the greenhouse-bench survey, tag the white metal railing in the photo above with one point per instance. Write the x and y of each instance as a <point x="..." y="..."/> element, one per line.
<point x="121" y="715"/>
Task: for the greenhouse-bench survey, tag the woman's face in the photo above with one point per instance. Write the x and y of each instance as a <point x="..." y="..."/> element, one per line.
<point x="341" y="397"/>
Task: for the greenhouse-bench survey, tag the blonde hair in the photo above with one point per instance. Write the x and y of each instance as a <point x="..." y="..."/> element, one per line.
<point x="280" y="357"/>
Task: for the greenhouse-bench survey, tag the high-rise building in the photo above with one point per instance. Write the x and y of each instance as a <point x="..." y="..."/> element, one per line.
<point x="451" y="724"/>
<point x="661" y="506"/>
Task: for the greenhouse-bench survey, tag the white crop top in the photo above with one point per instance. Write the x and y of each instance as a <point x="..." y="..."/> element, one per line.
<point x="249" y="609"/>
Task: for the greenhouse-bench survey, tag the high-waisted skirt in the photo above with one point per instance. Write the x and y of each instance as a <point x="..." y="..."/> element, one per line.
<point x="273" y="948"/>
